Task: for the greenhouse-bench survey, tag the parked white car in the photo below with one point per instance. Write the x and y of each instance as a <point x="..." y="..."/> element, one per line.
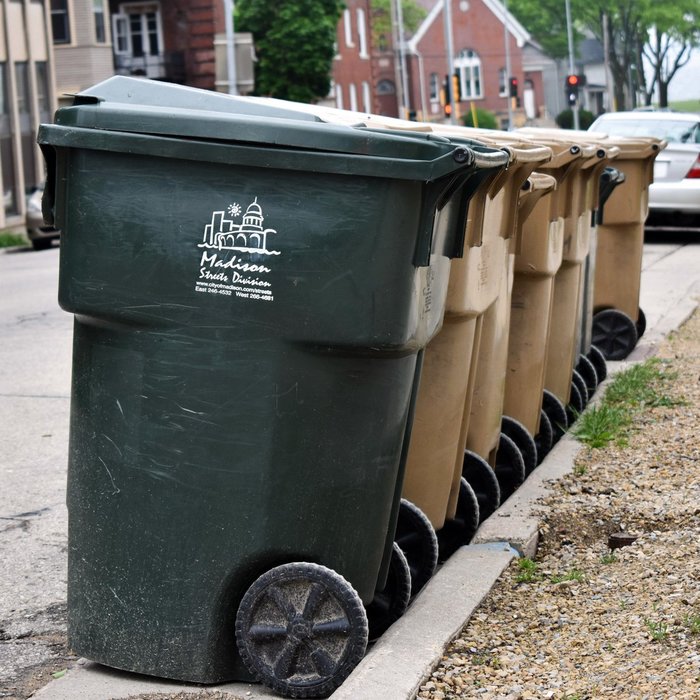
<point x="674" y="197"/>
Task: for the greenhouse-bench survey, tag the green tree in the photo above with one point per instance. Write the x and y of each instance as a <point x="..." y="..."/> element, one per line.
<point x="662" y="33"/>
<point x="382" y="25"/>
<point x="546" y="22"/>
<point x="674" y="32"/>
<point x="294" y="44"/>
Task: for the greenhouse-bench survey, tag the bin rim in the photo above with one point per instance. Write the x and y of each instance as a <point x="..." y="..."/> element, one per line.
<point x="630" y="146"/>
<point x="455" y="160"/>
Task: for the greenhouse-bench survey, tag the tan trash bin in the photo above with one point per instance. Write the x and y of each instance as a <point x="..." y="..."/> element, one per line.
<point x="618" y="321"/>
<point x="536" y="265"/>
<point x="436" y="454"/>
<point x="562" y="378"/>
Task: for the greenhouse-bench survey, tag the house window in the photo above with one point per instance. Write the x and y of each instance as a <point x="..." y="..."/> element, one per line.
<point x="25" y="124"/>
<point x="503" y="83"/>
<point x="7" y="161"/>
<point x="138" y="40"/>
<point x="339" y="96"/>
<point x="468" y="65"/>
<point x="347" y="24"/>
<point x="98" y="12"/>
<point x="42" y="90"/>
<point x="120" y="34"/>
<point x="386" y="87"/>
<point x="362" y="32"/>
<point x="60" y="22"/>
<point x="434" y="87"/>
<point x="366" y="97"/>
<point x="353" y="97"/>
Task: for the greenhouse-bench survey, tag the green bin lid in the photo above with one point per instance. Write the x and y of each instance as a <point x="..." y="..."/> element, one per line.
<point x="149" y="108"/>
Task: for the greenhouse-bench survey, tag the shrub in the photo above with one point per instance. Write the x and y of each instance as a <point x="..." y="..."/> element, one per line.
<point x="485" y="119"/>
<point x="565" y="119"/>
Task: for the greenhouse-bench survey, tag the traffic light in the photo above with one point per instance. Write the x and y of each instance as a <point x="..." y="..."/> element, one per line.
<point x="456" y="87"/>
<point x="447" y="96"/>
<point x="513" y="86"/>
<point x="572" y="85"/>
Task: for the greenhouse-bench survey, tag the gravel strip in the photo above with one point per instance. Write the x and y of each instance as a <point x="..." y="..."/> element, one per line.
<point x="583" y="621"/>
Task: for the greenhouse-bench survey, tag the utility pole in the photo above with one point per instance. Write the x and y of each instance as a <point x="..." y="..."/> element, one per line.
<point x="447" y="16"/>
<point x="507" y="43"/>
<point x="572" y="71"/>
<point x="396" y="42"/>
<point x="230" y="48"/>
<point x="406" y="107"/>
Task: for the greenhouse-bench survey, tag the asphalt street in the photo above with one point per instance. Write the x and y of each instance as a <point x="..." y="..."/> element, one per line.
<point x="35" y="360"/>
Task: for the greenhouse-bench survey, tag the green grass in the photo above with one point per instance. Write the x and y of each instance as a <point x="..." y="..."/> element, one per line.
<point x="528" y="571"/>
<point x="692" y="622"/>
<point x="573" y="575"/>
<point x="658" y="631"/>
<point x="686" y="105"/>
<point x="9" y="239"/>
<point x="632" y="391"/>
<point x="608" y="558"/>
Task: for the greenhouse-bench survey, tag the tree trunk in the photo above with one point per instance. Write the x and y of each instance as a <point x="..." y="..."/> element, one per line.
<point x="663" y="93"/>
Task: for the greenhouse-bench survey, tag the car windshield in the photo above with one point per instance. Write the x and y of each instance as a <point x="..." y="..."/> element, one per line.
<point x="671" y="130"/>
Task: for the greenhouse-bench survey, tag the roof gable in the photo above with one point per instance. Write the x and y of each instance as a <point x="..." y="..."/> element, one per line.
<point x="520" y="34"/>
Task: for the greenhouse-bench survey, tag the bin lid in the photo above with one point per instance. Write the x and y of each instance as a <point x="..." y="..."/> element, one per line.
<point x="630" y="146"/>
<point x="151" y="108"/>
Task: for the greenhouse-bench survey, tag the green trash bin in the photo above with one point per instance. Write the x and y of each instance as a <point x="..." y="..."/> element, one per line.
<point x="252" y="294"/>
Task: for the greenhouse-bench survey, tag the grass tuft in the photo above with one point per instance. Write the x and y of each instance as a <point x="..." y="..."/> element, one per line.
<point x="640" y="387"/>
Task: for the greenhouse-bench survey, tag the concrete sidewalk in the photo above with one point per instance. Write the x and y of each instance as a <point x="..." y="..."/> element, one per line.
<point x="396" y="665"/>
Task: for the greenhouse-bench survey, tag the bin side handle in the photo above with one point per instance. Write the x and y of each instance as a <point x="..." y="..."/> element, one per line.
<point x="48" y="199"/>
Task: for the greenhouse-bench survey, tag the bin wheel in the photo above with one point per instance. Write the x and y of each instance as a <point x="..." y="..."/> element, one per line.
<point x="587" y="370"/>
<point x="575" y="406"/>
<point x="416" y="537"/>
<point x="510" y="468"/>
<point x="461" y="529"/>
<point x="391" y="602"/>
<point x="614" y="334"/>
<point x="556" y="413"/>
<point x="580" y="383"/>
<point x="482" y="479"/>
<point x="301" y="629"/>
<point x="520" y="435"/>
<point x="641" y="324"/>
<point x="544" y="437"/>
<point x="598" y="360"/>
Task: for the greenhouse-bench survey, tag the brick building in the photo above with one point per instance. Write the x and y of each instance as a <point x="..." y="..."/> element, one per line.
<point x="479" y="30"/>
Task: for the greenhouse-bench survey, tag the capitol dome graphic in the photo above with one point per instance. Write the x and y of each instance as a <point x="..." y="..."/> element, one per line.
<point x="223" y="233"/>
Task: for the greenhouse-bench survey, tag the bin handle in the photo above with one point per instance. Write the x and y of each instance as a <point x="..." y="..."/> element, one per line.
<point x="462" y="183"/>
<point x="48" y="199"/>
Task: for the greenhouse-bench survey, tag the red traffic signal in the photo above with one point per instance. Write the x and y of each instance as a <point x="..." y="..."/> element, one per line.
<point x="513" y="87"/>
<point x="573" y="81"/>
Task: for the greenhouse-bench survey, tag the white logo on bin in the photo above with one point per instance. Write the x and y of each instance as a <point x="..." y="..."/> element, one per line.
<point x="230" y="264"/>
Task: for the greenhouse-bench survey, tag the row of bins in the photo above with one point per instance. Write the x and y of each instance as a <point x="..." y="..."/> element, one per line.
<point x="313" y="350"/>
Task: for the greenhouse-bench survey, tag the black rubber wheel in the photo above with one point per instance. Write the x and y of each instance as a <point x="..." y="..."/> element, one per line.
<point x="519" y="434"/>
<point x="641" y="324"/>
<point x="544" y="438"/>
<point x="598" y="359"/>
<point x="391" y="602"/>
<point x="301" y="629"/>
<point x="580" y="383"/>
<point x="460" y="530"/>
<point x="575" y="406"/>
<point x="587" y="370"/>
<point x="416" y="537"/>
<point x="482" y="479"/>
<point x="556" y="413"/>
<point x="510" y="468"/>
<point x="614" y="334"/>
